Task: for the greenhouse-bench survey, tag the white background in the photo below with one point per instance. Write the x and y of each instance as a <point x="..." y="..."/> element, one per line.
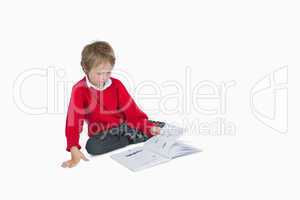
<point x="154" y="41"/>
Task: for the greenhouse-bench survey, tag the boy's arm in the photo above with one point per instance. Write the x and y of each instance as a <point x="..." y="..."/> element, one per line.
<point x="135" y="117"/>
<point x="75" y="119"/>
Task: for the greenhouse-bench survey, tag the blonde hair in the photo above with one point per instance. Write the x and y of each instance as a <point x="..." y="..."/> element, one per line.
<point x="96" y="53"/>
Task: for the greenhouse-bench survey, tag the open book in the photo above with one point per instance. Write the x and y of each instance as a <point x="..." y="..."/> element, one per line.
<point x="158" y="149"/>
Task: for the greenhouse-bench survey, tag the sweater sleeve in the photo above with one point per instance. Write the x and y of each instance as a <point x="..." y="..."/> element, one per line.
<point x="134" y="116"/>
<point x="74" y="119"/>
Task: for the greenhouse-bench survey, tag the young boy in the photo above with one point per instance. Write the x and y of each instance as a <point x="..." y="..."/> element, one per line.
<point x="114" y="120"/>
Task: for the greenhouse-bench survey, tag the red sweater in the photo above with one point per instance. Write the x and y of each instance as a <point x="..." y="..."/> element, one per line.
<point x="102" y="110"/>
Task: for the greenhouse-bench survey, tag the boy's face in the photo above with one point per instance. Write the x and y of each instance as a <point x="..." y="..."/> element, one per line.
<point x="99" y="74"/>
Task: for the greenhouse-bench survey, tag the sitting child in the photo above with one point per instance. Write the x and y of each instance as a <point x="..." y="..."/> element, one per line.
<point x="114" y="119"/>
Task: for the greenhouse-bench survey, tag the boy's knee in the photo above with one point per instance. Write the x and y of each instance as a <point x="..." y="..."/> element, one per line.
<point x="91" y="146"/>
<point x="101" y="145"/>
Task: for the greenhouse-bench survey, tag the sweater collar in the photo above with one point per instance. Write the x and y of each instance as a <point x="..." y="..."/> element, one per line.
<point x="90" y="85"/>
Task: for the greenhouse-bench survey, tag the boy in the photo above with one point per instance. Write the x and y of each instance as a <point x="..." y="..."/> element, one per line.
<point x="114" y="120"/>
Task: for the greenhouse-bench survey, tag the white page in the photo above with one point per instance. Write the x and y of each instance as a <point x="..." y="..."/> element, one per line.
<point x="158" y="149"/>
<point x="162" y="143"/>
<point x="137" y="159"/>
<point x="179" y="149"/>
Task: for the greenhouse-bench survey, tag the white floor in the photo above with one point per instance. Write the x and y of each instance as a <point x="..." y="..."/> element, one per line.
<point x="229" y="46"/>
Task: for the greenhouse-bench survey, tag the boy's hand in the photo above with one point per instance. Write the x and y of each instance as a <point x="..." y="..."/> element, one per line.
<point x="76" y="156"/>
<point x="155" y="130"/>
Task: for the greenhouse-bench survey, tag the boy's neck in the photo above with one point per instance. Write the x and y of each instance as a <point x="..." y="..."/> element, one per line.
<point x="101" y="86"/>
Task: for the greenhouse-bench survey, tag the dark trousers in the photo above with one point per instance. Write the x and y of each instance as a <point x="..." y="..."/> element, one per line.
<point x="116" y="138"/>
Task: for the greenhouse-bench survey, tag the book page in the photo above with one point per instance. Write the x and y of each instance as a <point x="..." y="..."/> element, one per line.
<point x="180" y="149"/>
<point x="158" y="149"/>
<point x="138" y="158"/>
<point x="162" y="143"/>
